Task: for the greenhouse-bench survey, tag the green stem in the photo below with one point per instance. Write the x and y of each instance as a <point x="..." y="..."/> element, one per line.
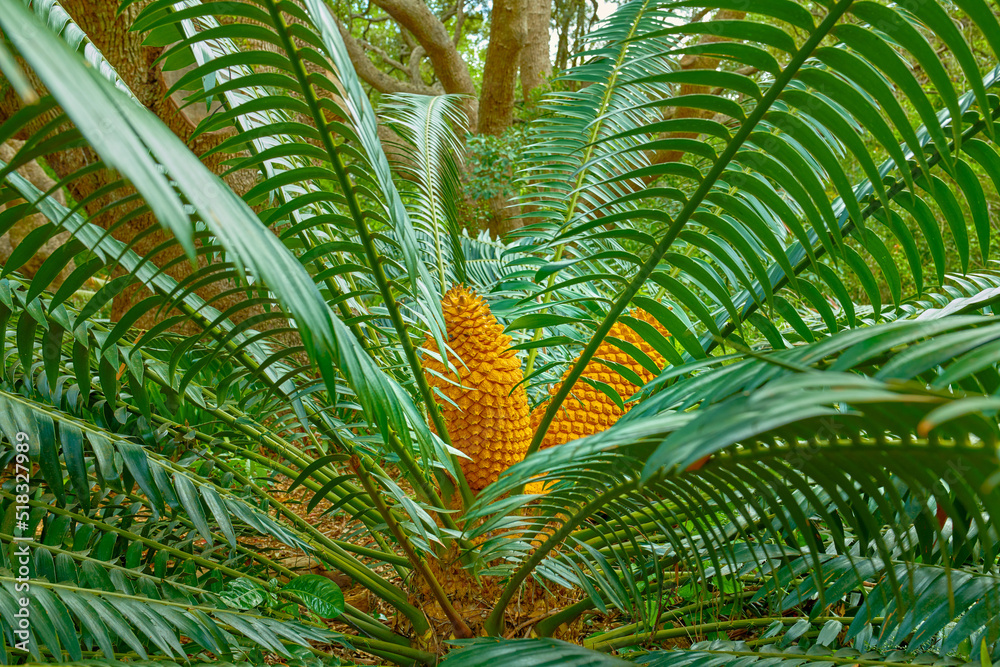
<point x="529" y="364"/>
<point x="700" y="629"/>
<point x="709" y="182"/>
<point x="765" y="641"/>
<point x="548" y="625"/>
<point x="430" y="493"/>
<point x="624" y="635"/>
<point x="345" y="313"/>
<point x="375" y="260"/>
<point x="459" y="625"/>
<point x="401" y="655"/>
<point x="494" y="623"/>
<point x="591" y="144"/>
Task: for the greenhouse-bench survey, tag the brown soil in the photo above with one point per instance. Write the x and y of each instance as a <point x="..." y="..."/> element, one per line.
<point x="472" y="598"/>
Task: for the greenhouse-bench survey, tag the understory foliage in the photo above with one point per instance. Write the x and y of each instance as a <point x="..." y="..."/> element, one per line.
<point x="797" y="231"/>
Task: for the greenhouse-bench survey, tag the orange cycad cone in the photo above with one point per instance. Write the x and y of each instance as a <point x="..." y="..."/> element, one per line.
<point x="487" y="417"/>
<point x="588" y="410"/>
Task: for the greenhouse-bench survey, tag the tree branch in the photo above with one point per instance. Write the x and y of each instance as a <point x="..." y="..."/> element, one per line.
<point x="413" y="65"/>
<point x="430" y="33"/>
<point x="372" y="75"/>
<point x="370" y="19"/>
<point x="459" y="21"/>
<point x="384" y="55"/>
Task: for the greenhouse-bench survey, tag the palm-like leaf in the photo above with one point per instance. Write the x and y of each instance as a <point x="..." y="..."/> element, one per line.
<point x="127" y="458"/>
<point x="429" y="453"/>
<point x="585" y="159"/>
<point x="728" y="219"/>
<point x="878" y="461"/>
<point x="717" y="654"/>
<point x="240" y="232"/>
<point x="859" y="457"/>
<point x="370" y="224"/>
<point x="236" y="340"/>
<point x="429" y="149"/>
<point x="763" y="169"/>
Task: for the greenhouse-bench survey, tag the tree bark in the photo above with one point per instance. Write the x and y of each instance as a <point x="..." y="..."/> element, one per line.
<point x="563" y="18"/>
<point x="536" y="65"/>
<point x="496" y="101"/>
<point x="136" y="65"/>
<point x="449" y="66"/>
<point x="33" y="172"/>
<point x="507" y="32"/>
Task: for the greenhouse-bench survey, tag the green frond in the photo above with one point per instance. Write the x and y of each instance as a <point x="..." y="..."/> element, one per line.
<point x="116" y="614"/>
<point x="723" y="653"/>
<point x="715" y="653"/>
<point x="247" y="242"/>
<point x="480" y="653"/>
<point x="429" y="150"/>
<point x="787" y="435"/>
<point x="800" y="196"/>
<point x="747" y="206"/>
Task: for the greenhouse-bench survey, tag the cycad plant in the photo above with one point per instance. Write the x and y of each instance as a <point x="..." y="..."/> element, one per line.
<point x="784" y="192"/>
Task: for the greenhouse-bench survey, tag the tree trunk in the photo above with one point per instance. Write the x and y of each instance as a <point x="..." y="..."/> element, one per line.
<point x="135" y="63"/>
<point x="496" y="101"/>
<point x="563" y="20"/>
<point x="536" y="67"/>
<point x="16" y="234"/>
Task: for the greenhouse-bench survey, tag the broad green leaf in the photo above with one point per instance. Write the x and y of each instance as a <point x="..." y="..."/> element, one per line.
<point x="319" y="594"/>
